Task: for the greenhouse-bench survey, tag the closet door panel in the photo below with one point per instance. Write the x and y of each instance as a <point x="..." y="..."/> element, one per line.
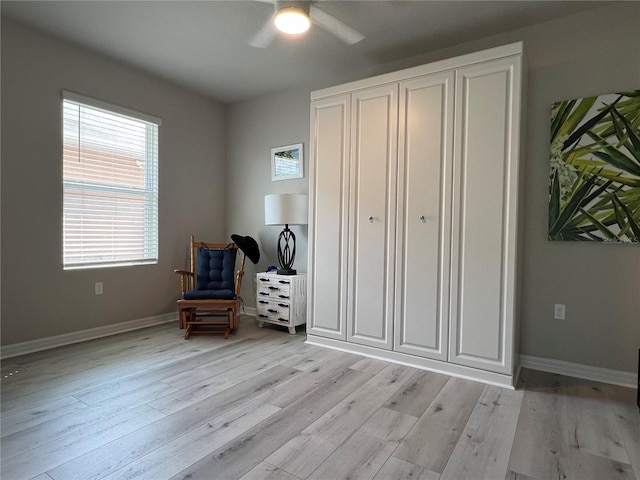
<point x="425" y="154"/>
<point x="373" y="193"/>
<point x="329" y="180"/>
<point x="485" y="183"/>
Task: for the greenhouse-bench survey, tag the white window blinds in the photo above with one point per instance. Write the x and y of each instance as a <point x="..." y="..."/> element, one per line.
<point x="110" y="181"/>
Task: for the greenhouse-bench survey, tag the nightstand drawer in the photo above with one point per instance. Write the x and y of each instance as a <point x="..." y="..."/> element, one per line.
<point x="274" y="288"/>
<point x="281" y="300"/>
<point x="273" y="310"/>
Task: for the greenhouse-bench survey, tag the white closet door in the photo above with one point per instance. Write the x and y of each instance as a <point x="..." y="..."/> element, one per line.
<point x="329" y="192"/>
<point x="425" y="152"/>
<point x="484" y="227"/>
<point x="373" y="200"/>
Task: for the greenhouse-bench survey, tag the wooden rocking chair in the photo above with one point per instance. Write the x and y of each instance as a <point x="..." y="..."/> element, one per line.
<point x="210" y="291"/>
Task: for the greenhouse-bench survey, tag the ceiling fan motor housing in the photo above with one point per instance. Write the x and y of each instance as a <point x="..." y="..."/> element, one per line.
<point x="311" y="15"/>
<point x="300" y="4"/>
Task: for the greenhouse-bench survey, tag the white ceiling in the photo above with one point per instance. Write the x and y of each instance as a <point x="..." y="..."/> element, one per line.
<point x="202" y="45"/>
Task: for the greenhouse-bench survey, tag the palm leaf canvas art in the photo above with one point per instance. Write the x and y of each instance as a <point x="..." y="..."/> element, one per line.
<point x="594" y="192"/>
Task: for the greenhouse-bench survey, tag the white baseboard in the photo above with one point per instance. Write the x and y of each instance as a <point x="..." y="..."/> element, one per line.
<point x="23" y="348"/>
<point x="587" y="372"/>
<point x="248" y="311"/>
<point x="460" y="371"/>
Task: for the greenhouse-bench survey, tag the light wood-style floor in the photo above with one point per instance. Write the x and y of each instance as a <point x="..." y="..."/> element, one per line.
<point x="264" y="405"/>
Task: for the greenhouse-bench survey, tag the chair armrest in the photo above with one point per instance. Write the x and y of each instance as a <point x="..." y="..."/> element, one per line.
<point x="183" y="272"/>
<point x="186" y="278"/>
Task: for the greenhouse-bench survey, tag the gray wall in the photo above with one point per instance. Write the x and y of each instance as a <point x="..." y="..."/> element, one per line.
<point x="591" y="54"/>
<point x="39" y="299"/>
<point x="254" y="128"/>
<point x="588" y="54"/>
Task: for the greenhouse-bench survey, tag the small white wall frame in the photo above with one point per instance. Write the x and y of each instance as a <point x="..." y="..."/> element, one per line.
<point x="287" y="162"/>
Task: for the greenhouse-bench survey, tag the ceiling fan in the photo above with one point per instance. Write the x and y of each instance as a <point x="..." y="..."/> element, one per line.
<point x="302" y="13"/>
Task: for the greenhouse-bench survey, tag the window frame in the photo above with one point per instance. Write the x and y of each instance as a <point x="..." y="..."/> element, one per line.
<point x="149" y="193"/>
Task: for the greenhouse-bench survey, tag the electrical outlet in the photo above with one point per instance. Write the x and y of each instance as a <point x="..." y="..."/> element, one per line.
<point x="559" y="311"/>
<point x="99" y="288"/>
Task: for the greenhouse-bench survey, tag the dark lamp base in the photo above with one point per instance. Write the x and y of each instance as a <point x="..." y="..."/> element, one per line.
<point x="287" y="272"/>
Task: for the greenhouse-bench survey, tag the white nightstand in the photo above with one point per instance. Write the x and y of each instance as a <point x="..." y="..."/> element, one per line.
<point x="282" y="300"/>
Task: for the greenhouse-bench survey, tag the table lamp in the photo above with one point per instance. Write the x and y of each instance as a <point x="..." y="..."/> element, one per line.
<point x="285" y="209"/>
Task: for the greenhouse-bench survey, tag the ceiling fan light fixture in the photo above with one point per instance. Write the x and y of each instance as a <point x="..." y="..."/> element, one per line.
<point x="292" y="20"/>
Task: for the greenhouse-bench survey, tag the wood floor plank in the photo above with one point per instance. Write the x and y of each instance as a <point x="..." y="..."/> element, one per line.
<point x="143" y="395"/>
<point x="187" y="449"/>
<point x="250" y="449"/>
<point x="22" y="420"/>
<point x="622" y="401"/>
<point x="154" y="345"/>
<point x="309" y="357"/>
<point x="517" y="476"/>
<point x="142" y="378"/>
<point x="53" y="454"/>
<point x="364" y="453"/>
<point x="540" y="437"/>
<point x="304" y="453"/>
<point x="396" y="469"/>
<point x="583" y="465"/>
<point x="102" y="461"/>
<point x="56" y="429"/>
<point x="265" y="471"/>
<point x="217" y="365"/>
<point x="44" y="476"/>
<point x="370" y="365"/>
<point x="87" y="411"/>
<point x="69" y="355"/>
<point x="67" y="383"/>
<point x="485" y="444"/>
<point x="38" y="375"/>
<point x="242" y="369"/>
<point x="432" y="440"/>
<point x="591" y="424"/>
<point x="8" y="368"/>
<point x="418" y="394"/>
<point x="286" y="393"/>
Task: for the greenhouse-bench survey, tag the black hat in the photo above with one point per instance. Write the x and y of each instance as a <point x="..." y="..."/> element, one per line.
<point x="248" y="245"/>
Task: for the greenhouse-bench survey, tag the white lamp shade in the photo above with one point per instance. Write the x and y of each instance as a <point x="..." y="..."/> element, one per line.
<point x="289" y="209"/>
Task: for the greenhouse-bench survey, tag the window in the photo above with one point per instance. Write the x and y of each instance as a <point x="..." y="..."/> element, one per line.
<point x="110" y="181"/>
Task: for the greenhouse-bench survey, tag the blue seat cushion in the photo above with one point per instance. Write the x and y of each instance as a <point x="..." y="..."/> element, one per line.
<point x="215" y="274"/>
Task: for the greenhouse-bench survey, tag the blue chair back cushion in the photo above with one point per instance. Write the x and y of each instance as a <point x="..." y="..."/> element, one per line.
<point x="215" y="274"/>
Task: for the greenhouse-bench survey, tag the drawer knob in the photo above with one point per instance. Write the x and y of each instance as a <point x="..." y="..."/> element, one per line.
<point x="272" y="310"/>
<point x="283" y="296"/>
<point x="283" y="305"/>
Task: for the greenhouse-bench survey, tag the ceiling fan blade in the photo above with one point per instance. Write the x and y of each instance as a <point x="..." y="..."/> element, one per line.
<point x="334" y="26"/>
<point x="265" y="36"/>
